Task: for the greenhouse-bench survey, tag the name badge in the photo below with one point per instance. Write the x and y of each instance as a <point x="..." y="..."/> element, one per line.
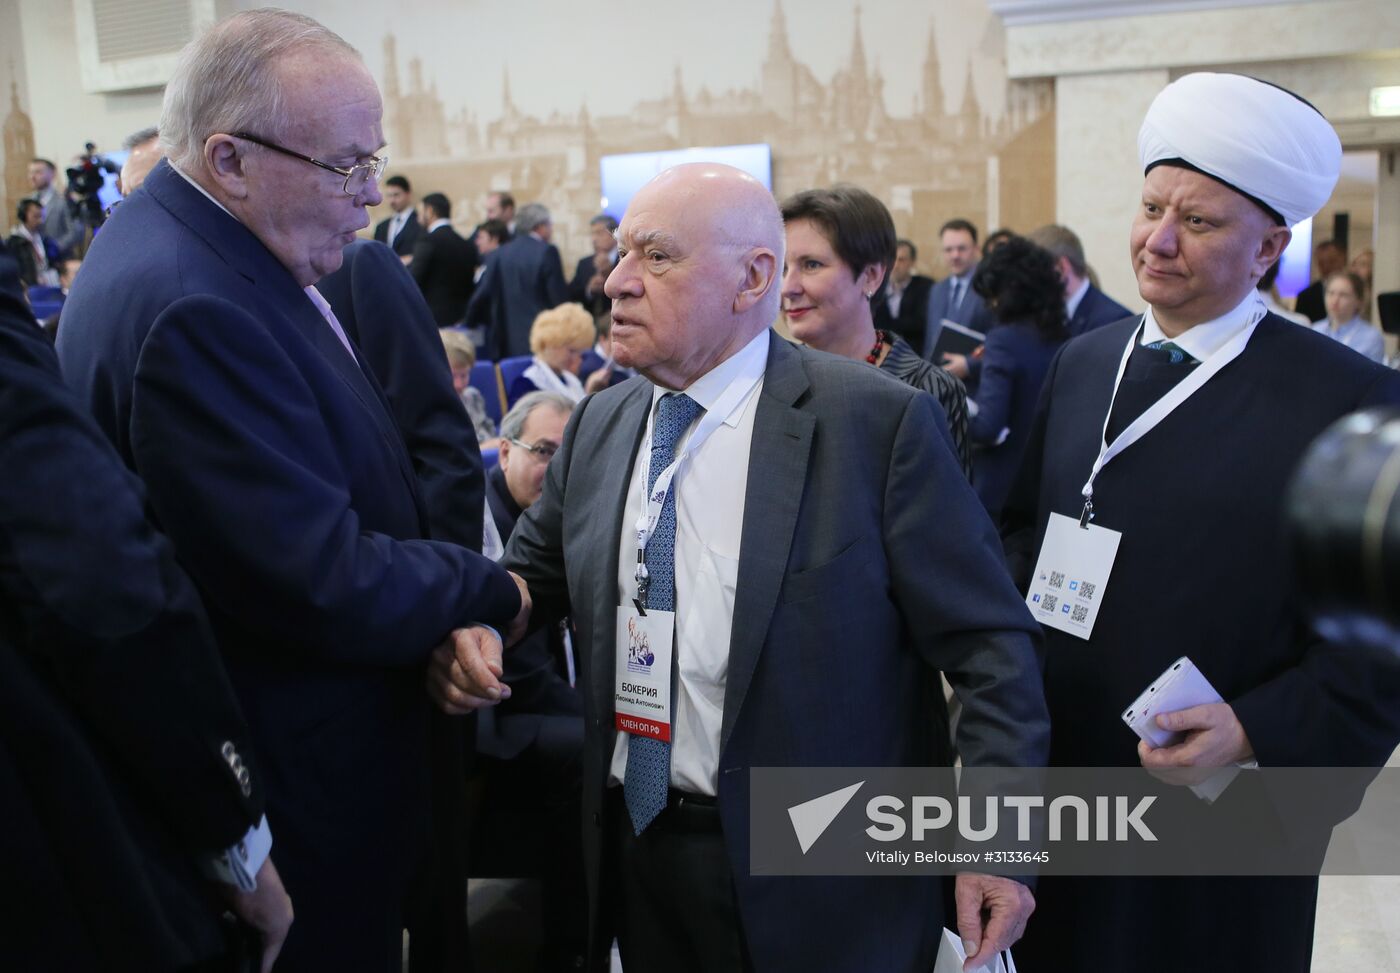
<point x="1071" y="575"/>
<point x="642" y="681"/>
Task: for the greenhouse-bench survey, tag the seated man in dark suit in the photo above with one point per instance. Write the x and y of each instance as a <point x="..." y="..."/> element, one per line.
<point x="126" y="767"/>
<point x="1086" y="307"/>
<point x="533" y="742"/>
<point x="402" y="231"/>
<point x="443" y="264"/>
<point x="523" y="278"/>
<point x="902" y="307"/>
<point x="592" y="272"/>
<point x="273" y="462"/>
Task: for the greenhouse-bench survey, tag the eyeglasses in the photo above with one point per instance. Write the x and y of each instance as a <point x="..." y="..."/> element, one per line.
<point x="543" y="452"/>
<point x="356" y="176"/>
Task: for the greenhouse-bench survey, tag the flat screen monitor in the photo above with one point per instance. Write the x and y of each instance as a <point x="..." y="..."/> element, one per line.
<point x="624" y="174"/>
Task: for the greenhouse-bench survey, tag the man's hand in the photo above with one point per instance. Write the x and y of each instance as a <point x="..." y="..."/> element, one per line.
<point x="1008" y="905"/>
<point x="464" y="672"/>
<point x="956" y="365"/>
<point x="1214" y="738"/>
<point x="516" y="631"/>
<point x="267" y="909"/>
<point x="598" y="380"/>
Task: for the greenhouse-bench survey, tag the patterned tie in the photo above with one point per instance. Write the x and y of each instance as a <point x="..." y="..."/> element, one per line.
<point x="648" y="775"/>
<point x="1177" y="355"/>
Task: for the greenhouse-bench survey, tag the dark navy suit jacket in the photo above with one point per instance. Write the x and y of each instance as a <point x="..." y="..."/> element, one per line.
<point x="1094" y="311"/>
<point x="381" y="309"/>
<point x="1013" y="370"/>
<point x="114" y="706"/>
<point x="521" y="279"/>
<point x="273" y="463"/>
<point x="1203" y="569"/>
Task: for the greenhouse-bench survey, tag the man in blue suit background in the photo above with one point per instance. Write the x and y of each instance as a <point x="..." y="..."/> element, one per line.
<point x="1086" y="307"/>
<point x="952" y="298"/>
<point x="272" y="460"/>
<point x="522" y="278"/>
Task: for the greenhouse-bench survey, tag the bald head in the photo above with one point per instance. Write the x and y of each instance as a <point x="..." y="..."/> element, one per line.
<point x="139" y="163"/>
<point x="698" y="256"/>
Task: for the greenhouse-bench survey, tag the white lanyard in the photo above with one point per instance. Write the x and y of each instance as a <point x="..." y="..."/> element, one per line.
<point x="1164" y="406"/>
<point x="737" y="391"/>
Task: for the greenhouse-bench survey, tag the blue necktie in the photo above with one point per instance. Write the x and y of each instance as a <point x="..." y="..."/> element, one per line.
<point x="648" y="777"/>
<point x="1178" y="356"/>
<point x="955" y="298"/>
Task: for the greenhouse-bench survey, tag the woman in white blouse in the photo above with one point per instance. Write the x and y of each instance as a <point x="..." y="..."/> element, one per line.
<point x="558" y="339"/>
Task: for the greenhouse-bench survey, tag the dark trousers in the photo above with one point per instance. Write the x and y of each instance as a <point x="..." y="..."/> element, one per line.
<point x="675" y="908"/>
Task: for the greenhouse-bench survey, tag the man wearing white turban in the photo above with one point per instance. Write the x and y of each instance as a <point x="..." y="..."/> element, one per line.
<point x="1186" y="423"/>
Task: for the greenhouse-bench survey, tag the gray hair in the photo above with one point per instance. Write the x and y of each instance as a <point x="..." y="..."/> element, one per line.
<point x="514" y="422"/>
<point x="140" y="138"/>
<point x="531" y="217"/>
<point x="226" y="80"/>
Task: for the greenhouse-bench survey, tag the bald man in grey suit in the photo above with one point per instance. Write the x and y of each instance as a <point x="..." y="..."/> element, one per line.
<point x="829" y="558"/>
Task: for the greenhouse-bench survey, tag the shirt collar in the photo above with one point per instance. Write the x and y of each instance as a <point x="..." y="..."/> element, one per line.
<point x="437" y="223"/>
<point x="1075" y="299"/>
<point x="707" y="389"/>
<point x="1205" y="339"/>
<point x="204" y="192"/>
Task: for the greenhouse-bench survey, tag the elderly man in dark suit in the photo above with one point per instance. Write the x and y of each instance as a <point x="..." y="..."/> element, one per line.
<point x="522" y="278"/>
<point x="1086" y="307"/>
<point x="819" y="517"/>
<point x="273" y="461"/>
<point x="444" y="262"/>
<point x="401" y="231"/>
<point x="1207" y="402"/>
<point x="125" y="764"/>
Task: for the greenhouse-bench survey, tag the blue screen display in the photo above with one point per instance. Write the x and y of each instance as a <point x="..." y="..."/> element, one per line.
<point x="623" y="175"/>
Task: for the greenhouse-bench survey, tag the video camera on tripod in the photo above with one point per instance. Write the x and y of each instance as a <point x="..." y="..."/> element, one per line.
<point x="85" y="181"/>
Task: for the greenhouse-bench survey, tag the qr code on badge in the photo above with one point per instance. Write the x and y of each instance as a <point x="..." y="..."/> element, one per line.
<point x="1086" y="590"/>
<point x="1079" y="613"/>
<point x="1057" y="579"/>
<point x="1048" y="605"/>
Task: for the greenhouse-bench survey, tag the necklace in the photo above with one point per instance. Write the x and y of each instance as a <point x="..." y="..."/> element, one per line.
<point x="874" y="356"/>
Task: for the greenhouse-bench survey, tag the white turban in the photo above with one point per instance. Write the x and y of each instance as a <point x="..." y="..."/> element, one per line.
<point x="1262" y="141"/>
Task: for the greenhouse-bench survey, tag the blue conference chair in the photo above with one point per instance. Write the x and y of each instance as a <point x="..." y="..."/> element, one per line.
<point x="511" y="369"/>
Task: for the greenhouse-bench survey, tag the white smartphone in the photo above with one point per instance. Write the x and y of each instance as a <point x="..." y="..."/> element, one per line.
<point x="1180" y="687"/>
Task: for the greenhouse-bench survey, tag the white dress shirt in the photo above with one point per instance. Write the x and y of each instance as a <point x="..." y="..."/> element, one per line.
<point x="1205" y="339"/>
<point x="396" y="223"/>
<point x="710" y="490"/>
<point x="1077" y="298"/>
<point x="894" y="296"/>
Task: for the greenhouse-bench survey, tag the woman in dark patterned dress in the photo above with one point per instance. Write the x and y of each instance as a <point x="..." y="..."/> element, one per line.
<point x="840" y="246"/>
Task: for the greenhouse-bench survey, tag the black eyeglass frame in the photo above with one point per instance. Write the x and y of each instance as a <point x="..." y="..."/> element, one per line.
<point x="375" y="166"/>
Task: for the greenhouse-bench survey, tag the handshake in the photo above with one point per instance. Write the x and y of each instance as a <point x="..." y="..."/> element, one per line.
<point x="464" y="672"/>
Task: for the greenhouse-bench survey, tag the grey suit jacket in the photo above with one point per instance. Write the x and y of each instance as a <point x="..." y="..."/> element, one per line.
<point x="867" y="565"/>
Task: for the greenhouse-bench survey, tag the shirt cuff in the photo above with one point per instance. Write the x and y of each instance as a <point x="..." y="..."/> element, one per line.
<point x="239" y="865"/>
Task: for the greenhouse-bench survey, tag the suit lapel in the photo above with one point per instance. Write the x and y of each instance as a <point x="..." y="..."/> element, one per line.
<point x="615" y="461"/>
<point x="778" y="457"/>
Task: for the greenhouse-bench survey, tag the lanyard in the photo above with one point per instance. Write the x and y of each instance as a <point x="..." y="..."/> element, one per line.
<point x="1164" y="406"/>
<point x="736" y="392"/>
